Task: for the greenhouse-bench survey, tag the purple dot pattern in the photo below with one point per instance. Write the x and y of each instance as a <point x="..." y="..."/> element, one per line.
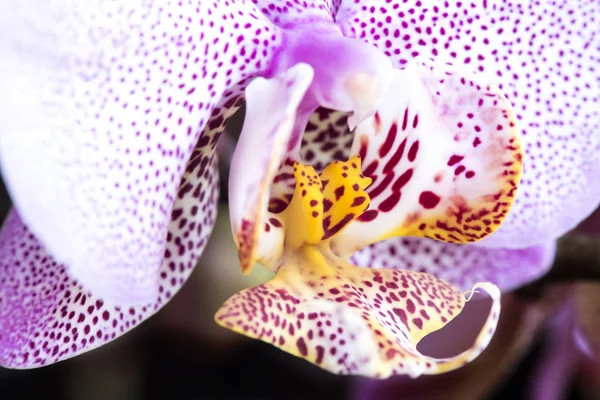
<point x="46" y="316"/>
<point x="545" y="57"/>
<point x="125" y="115"/>
<point x="118" y="107"/>
<point x="461" y="266"/>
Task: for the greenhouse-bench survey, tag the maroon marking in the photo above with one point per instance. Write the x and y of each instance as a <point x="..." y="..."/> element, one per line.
<point x="364" y="144"/>
<point x="402" y="180"/>
<point x="416" y="121"/>
<point x="368" y="216"/>
<point x="418" y="322"/>
<point x="469" y="174"/>
<point x="382" y="186"/>
<point x="405" y="121"/>
<point x="429" y="199"/>
<point x="327" y="204"/>
<point x="282" y="177"/>
<point x="459" y="170"/>
<point x="277" y="205"/>
<point x="395" y="159"/>
<point x="371" y="168"/>
<point x="402" y="314"/>
<point x="320" y="352"/>
<point x="313" y="203"/>
<point x="339" y="192"/>
<point x="275" y="222"/>
<point x="476" y="141"/>
<point x="329" y="232"/>
<point x="410" y="306"/>
<point x="358" y="201"/>
<point x="301" y="346"/>
<point x="412" y="152"/>
<point x="389" y="141"/>
<point x="388" y="204"/>
<point x="455" y="160"/>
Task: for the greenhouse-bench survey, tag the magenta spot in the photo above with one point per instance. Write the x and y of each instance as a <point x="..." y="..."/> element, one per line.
<point x="402" y="180"/>
<point x="301" y="344"/>
<point x="405" y="121"/>
<point x="469" y="174"/>
<point x="389" y="141"/>
<point x="429" y="199"/>
<point x="418" y="322"/>
<point x="476" y="142"/>
<point x="410" y="306"/>
<point x="388" y="204"/>
<point x="412" y="152"/>
<point x="454" y="160"/>
<point x="459" y="170"/>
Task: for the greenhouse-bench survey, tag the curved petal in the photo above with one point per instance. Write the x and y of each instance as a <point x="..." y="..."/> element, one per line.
<point x="444" y="156"/>
<point x="272" y="105"/>
<point x="548" y="72"/>
<point x="102" y="108"/>
<point x="352" y="320"/>
<point x="461" y="265"/>
<point x="46" y="316"/>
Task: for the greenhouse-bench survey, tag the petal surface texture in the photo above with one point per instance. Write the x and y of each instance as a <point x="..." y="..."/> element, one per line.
<point x="544" y="56"/>
<point x="351" y="320"/>
<point x="460" y="265"/>
<point x="107" y="104"/>
<point x="444" y="156"/>
<point x="46" y="316"/>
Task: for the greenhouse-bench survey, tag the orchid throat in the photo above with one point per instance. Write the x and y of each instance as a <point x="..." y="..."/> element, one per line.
<point x="437" y="155"/>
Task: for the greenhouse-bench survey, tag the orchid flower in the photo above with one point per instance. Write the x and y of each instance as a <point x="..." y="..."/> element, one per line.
<point x="109" y="118"/>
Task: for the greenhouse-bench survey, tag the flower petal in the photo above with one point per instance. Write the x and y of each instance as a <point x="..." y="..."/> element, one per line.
<point x="292" y="14"/>
<point x="548" y="72"/>
<point x="102" y="108"/>
<point x="460" y="265"/>
<point x="444" y="156"/>
<point x="271" y="119"/>
<point x="351" y="320"/>
<point x="47" y="316"/>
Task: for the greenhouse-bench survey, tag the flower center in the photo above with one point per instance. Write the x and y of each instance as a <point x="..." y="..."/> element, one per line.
<point x="324" y="204"/>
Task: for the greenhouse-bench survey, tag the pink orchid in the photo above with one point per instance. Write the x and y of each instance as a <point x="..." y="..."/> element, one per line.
<point x="110" y="115"/>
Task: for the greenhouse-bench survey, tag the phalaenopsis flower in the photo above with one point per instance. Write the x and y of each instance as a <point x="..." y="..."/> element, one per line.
<point x="364" y="121"/>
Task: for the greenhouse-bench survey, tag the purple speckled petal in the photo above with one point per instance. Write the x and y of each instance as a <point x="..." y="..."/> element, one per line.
<point x="545" y="58"/>
<point x="46" y="316"/>
<point x="103" y="106"/>
<point x="292" y="14"/>
<point x="461" y="265"/>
